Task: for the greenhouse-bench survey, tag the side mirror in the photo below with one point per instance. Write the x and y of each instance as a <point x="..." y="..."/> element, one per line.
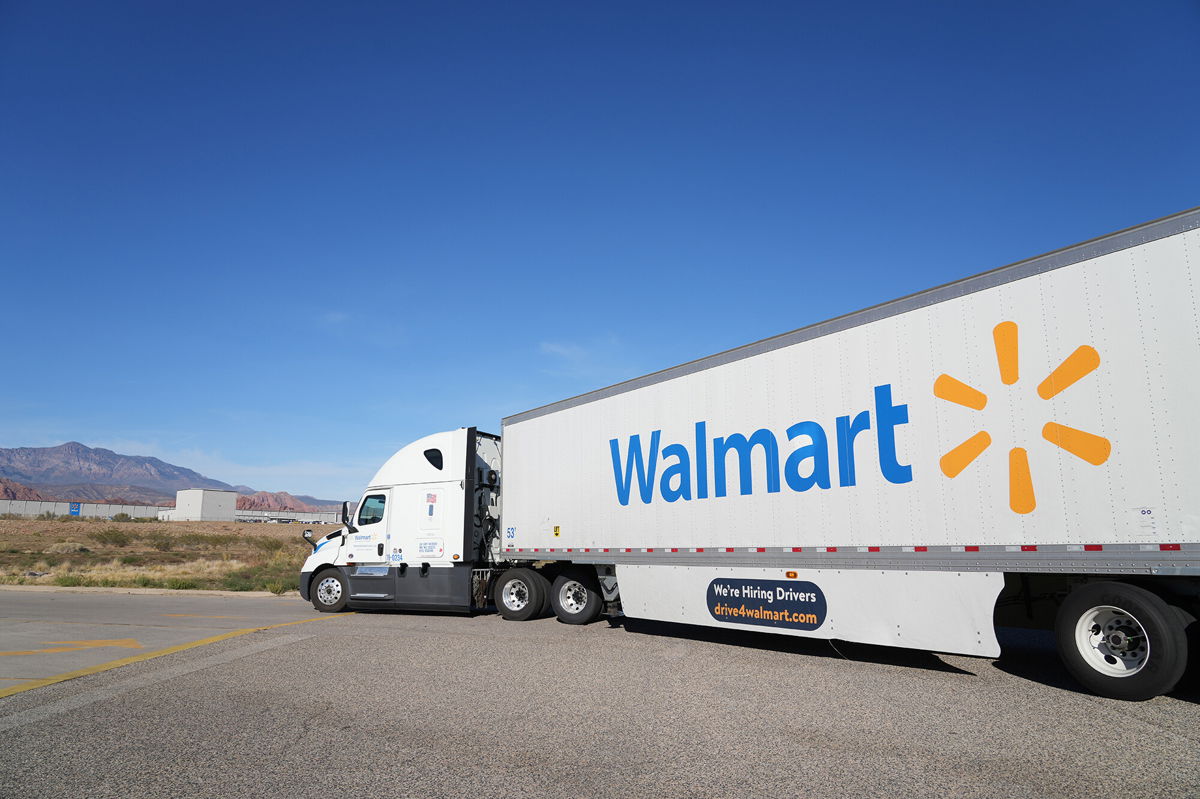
<point x="308" y="537"/>
<point x="346" y="517"/>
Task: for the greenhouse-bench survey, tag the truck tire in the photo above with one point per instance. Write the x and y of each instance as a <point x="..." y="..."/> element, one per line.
<point x="575" y="598"/>
<point x="1121" y="641"/>
<point x="521" y="594"/>
<point x="329" y="591"/>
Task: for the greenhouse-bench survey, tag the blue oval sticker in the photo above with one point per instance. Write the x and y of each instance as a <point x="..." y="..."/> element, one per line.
<point x="794" y="604"/>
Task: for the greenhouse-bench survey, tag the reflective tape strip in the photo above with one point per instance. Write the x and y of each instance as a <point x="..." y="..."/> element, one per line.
<point x="914" y="549"/>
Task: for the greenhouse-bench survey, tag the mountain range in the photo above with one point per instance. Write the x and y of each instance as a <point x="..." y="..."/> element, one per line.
<point x="78" y="473"/>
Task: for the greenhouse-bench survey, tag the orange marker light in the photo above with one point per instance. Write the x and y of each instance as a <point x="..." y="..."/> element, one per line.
<point x="791" y="575"/>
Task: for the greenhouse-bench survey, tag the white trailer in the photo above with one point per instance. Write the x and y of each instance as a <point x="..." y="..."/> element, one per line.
<point x="1015" y="448"/>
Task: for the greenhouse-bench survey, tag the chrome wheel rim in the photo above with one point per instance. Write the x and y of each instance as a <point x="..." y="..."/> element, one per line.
<point x="515" y="594"/>
<point x="1112" y="641"/>
<point x="329" y="591"/>
<point x="573" y="596"/>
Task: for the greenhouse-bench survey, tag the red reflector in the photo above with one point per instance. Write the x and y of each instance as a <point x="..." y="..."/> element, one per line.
<point x="1028" y="548"/>
<point x="606" y="549"/>
<point x="971" y="549"/>
<point x="872" y="549"/>
<point x="673" y="549"/>
<point x="587" y="549"/>
<point x="831" y="549"/>
<point x="570" y="550"/>
<point x="1169" y="547"/>
<point x="797" y="549"/>
<point x="728" y="549"/>
<point x="760" y="549"/>
<point x="699" y="549"/>
<point x="651" y="549"/>
<point x="1092" y="548"/>
<point x="627" y="549"/>
<point x="920" y="549"/>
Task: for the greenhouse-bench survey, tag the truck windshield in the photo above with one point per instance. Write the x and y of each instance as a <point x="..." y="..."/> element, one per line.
<point x="372" y="509"/>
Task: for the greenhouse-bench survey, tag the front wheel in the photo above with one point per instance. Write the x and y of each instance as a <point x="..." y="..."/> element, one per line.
<point x="329" y="591"/>
<point x="1121" y="641"/>
<point x="576" y="598"/>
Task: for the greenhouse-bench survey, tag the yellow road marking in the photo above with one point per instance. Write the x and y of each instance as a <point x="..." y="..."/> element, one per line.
<point x="76" y="646"/>
<point x="113" y="664"/>
<point x="196" y="616"/>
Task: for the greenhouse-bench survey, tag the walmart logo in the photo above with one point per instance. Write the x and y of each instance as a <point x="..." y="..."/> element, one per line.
<point x="1089" y="447"/>
<point x="810" y="454"/>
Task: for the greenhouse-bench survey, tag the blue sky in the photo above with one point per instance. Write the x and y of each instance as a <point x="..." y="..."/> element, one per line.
<point x="274" y="242"/>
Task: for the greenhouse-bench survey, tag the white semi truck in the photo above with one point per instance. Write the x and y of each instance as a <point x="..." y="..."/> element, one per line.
<point x="1021" y="447"/>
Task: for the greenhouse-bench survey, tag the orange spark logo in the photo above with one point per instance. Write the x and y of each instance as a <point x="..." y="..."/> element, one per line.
<point x="1091" y="448"/>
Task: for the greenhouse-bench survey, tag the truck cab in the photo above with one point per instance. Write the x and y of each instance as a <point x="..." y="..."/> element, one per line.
<point x="425" y="523"/>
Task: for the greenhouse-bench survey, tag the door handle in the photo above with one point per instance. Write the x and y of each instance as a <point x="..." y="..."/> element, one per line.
<point x="424" y="569"/>
<point x="379" y="550"/>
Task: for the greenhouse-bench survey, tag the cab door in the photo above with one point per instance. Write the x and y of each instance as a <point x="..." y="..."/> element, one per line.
<point x="368" y="543"/>
<point x="366" y="562"/>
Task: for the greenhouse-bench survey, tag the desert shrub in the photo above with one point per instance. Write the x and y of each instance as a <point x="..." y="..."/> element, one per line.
<point x="111" y="537"/>
<point x="277" y="587"/>
<point x="132" y="560"/>
<point x="269" y="544"/>
<point x="144" y="519"/>
<point x="181" y="583"/>
<point x="66" y="548"/>
<point x="69" y="580"/>
<point x="10" y="516"/>
<point x="160" y="541"/>
<point x="237" y="581"/>
<point x="48" y="516"/>
<point x="122" y="517"/>
<point x="206" y="540"/>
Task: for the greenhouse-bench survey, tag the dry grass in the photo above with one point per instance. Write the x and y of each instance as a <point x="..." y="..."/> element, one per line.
<point x="214" y="555"/>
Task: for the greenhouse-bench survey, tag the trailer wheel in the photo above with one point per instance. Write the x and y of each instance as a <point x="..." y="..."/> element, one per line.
<point x="576" y="598"/>
<point x="329" y="591"/>
<point x="521" y="594"/>
<point x="1121" y="641"/>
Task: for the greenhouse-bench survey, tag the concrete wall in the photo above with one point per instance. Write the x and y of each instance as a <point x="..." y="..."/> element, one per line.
<point x="30" y="508"/>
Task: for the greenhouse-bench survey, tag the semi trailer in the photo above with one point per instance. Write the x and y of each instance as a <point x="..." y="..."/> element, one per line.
<point x="1017" y="448"/>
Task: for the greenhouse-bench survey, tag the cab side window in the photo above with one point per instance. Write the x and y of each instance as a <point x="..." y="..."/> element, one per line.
<point x="372" y="509"/>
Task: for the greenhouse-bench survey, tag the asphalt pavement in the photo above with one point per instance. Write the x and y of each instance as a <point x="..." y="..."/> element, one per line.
<point x="425" y="706"/>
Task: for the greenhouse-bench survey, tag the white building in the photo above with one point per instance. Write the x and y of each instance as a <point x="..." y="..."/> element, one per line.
<point x="203" y="505"/>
